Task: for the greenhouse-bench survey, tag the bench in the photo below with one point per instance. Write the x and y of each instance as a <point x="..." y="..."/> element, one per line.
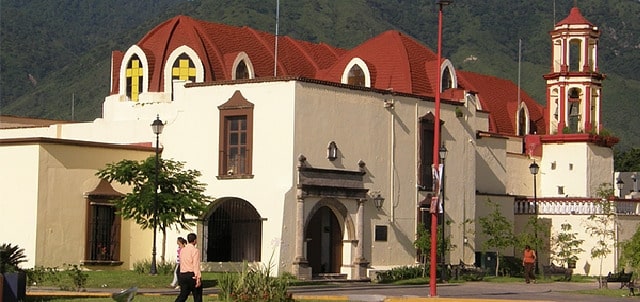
<point x="623" y="278"/>
<point x="557" y="271"/>
<point x="468" y="272"/>
<point x="126" y="295"/>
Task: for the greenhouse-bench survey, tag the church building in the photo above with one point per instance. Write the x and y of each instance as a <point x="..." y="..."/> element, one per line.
<point x="319" y="159"/>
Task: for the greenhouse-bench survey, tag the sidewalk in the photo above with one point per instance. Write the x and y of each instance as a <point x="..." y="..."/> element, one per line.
<point x="467" y="292"/>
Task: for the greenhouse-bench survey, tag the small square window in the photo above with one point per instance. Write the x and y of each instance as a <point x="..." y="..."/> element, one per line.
<point x="570" y="167"/>
<point x="381" y="233"/>
<point x="561" y="190"/>
<point x="553" y="165"/>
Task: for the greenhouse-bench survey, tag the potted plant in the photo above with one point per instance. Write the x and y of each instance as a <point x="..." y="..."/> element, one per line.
<point x="14" y="280"/>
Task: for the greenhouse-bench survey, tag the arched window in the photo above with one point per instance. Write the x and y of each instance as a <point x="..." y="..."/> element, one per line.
<point x="356" y="76"/>
<point x="183" y="69"/>
<point x="135" y="77"/>
<point x="356" y="73"/>
<point x="447" y="82"/>
<point x="242" y="72"/>
<point x="574" y="109"/>
<point x="522" y="122"/>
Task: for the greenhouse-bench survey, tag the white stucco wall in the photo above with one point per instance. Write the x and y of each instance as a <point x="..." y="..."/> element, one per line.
<point x="18" y="200"/>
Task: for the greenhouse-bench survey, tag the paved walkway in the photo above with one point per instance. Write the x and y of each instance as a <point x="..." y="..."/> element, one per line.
<point x="466" y="292"/>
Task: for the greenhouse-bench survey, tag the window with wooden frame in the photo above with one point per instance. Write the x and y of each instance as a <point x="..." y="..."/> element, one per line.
<point x="236" y="138"/>
<point x="102" y="243"/>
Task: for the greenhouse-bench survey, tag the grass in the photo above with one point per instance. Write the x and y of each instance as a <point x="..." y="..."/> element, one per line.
<point x="126" y="279"/>
<point x="117" y="280"/>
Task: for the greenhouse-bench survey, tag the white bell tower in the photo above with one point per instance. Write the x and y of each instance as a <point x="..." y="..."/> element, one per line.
<point x="574" y="83"/>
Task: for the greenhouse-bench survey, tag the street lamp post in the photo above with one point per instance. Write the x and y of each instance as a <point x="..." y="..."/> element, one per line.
<point x="436" y="147"/>
<point x="534" y="168"/>
<point x="443" y="155"/>
<point x="620" y="185"/>
<point x="157" y="127"/>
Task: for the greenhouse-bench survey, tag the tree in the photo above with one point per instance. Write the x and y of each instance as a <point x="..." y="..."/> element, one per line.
<point x="498" y="230"/>
<point x="566" y="246"/>
<point x="10" y="258"/>
<point x="601" y="225"/>
<point x="627" y="161"/>
<point x="423" y="244"/>
<point x="631" y="251"/>
<point x="180" y="195"/>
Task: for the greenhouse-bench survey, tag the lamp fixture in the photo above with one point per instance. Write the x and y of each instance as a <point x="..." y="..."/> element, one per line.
<point x="620" y="184"/>
<point x="378" y="200"/>
<point x="534" y="168"/>
<point x="443" y="152"/>
<point x="332" y="151"/>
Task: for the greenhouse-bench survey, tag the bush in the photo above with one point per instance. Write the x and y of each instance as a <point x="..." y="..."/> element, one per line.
<point x="144" y="267"/>
<point x="254" y="285"/>
<point x="10" y="258"/>
<point x="400" y="273"/>
<point x="41" y="274"/>
<point x="511" y="267"/>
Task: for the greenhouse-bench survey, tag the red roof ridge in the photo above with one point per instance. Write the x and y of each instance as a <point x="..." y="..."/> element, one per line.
<point x="575" y="17"/>
<point x="296" y="44"/>
<point x="266" y="46"/>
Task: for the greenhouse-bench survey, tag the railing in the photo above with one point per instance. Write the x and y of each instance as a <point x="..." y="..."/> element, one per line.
<point x="573" y="206"/>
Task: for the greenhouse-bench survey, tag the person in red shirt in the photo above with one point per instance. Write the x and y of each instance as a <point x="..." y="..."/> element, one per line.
<point x="529" y="261"/>
<point x="190" y="278"/>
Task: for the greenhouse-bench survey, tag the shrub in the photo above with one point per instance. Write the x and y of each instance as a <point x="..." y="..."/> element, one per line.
<point x="400" y="273"/>
<point x="144" y="267"/>
<point x="254" y="284"/>
<point x="41" y="274"/>
<point x="78" y="277"/>
<point x="10" y="258"/>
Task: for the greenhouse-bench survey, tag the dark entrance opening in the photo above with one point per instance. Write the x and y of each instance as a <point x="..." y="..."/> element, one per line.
<point x="324" y="242"/>
<point x="234" y="232"/>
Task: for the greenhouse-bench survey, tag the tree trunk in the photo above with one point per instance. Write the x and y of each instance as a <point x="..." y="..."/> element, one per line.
<point x="497" y="262"/>
<point x="164" y="244"/>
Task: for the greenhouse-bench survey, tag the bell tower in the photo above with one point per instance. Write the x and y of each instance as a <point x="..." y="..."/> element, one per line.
<point x="574" y="83"/>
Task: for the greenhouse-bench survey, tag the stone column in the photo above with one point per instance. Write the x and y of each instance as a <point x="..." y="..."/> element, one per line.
<point x="300" y="267"/>
<point x="360" y="263"/>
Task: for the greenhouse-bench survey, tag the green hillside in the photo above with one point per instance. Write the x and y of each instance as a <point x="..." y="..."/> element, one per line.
<point x="53" y="52"/>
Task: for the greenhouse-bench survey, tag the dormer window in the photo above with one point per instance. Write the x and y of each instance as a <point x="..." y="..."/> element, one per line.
<point x="183" y="65"/>
<point x="356" y="73"/>
<point x="446" y="79"/>
<point x="242" y="67"/>
<point x="183" y="69"/>
<point x="242" y="72"/>
<point x="356" y="76"/>
<point x="134" y="75"/>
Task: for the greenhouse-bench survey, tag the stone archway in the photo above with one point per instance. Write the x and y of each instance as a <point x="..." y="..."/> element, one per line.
<point x="233" y="232"/>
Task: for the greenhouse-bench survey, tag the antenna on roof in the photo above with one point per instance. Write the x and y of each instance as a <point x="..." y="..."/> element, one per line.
<point x="275" y="55"/>
<point x="73" y="106"/>
<point x="519" y="63"/>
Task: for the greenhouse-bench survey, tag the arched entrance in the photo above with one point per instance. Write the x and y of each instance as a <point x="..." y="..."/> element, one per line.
<point x="233" y="232"/>
<point x="324" y="242"/>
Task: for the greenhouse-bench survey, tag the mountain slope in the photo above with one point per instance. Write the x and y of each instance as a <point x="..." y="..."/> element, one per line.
<point x="53" y="53"/>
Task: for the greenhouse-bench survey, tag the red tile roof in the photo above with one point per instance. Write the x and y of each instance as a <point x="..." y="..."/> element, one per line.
<point x="500" y="98"/>
<point x="575" y="17"/>
<point x="395" y="62"/>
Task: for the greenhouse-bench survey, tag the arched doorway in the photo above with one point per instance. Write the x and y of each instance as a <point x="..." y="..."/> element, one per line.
<point x="233" y="232"/>
<point x="324" y="242"/>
